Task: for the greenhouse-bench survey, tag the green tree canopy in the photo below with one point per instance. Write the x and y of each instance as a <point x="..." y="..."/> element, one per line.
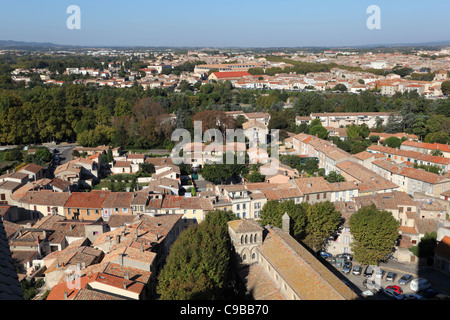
<point x="393" y="142"/>
<point x="198" y="266"/>
<point x="273" y="211"/>
<point x="374" y="234"/>
<point x="322" y="221"/>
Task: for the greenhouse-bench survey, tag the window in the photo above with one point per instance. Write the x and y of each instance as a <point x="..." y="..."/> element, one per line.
<point x="243" y="206"/>
<point x="48" y="209"/>
<point x="116" y="210"/>
<point x="2" y="196"/>
<point x="88" y="212"/>
<point x="318" y="196"/>
<point x="125" y="210"/>
<point x="194" y="211"/>
<point x="238" y="207"/>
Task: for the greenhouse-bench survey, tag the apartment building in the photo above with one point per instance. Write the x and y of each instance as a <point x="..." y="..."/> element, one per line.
<point x="344" y="119"/>
<point x="401" y="155"/>
<point x="411" y="180"/>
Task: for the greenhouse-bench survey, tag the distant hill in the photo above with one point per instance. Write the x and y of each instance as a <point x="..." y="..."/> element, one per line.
<point x="12" y="44"/>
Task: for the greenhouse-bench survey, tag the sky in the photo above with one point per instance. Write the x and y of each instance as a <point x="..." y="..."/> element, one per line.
<point x="231" y="23"/>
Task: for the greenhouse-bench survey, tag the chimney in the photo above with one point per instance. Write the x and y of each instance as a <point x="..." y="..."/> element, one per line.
<point x="285" y="223"/>
<point x="126" y="276"/>
<point x="121" y="259"/>
<point x="156" y="237"/>
<point x="309" y="185"/>
<point x="125" y="285"/>
<point x="65" y="295"/>
<point x="135" y="233"/>
<point x="142" y="247"/>
<point x="117" y="239"/>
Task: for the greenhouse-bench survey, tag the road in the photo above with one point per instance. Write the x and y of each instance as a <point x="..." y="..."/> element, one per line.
<point x="62" y="155"/>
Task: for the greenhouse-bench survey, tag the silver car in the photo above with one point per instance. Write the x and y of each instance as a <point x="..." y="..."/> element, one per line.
<point x="405" y="279"/>
<point x="347" y="267"/>
<point x="391" y="276"/>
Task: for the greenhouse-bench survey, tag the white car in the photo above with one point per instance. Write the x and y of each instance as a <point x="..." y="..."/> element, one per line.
<point x="379" y="273"/>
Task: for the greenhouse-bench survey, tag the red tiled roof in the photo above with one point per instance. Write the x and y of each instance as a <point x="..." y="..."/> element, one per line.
<point x="443" y="248"/>
<point x="93" y="199"/>
<point x="231" y="74"/>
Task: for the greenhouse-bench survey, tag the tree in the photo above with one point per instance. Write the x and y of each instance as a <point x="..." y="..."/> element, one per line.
<point x="393" y="142"/>
<point x="319" y="131"/>
<point x="340" y="87"/>
<point x="374" y="138"/>
<point x="374" y="234"/>
<point x="198" y="265"/>
<point x="439" y="137"/>
<point x="255" y="176"/>
<point x="445" y="87"/>
<point x="322" y="220"/>
<point x="425" y="248"/>
<point x="334" y="177"/>
<point x="273" y="211"/>
<point x="419" y="128"/>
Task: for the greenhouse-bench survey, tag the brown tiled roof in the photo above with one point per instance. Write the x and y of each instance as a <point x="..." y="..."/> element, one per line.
<point x="60" y="184"/>
<point x="118" y="200"/>
<point x="93" y="199"/>
<point x="259" y="284"/>
<point x="313" y="185"/>
<point x="45" y="198"/>
<point x="88" y="294"/>
<point x="307" y="276"/>
<point x="244" y="225"/>
<point x="32" y="168"/>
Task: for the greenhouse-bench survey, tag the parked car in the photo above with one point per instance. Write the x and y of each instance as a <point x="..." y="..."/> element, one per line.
<point x="429" y="293"/>
<point x="379" y="273"/>
<point x="339" y="262"/>
<point x="405" y="279"/>
<point x="419" y="284"/>
<point x="347" y="267"/>
<point x="442" y="297"/>
<point x="357" y="270"/>
<point x="392" y="294"/>
<point x="331" y="260"/>
<point x="391" y="276"/>
<point x="325" y="254"/>
<point x="412" y="296"/>
<point x="395" y="288"/>
<point x="372" y="285"/>
<point x="346" y="256"/>
<point x="368" y="272"/>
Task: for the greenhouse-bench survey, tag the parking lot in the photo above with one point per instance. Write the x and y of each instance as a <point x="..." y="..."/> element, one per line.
<point x="355" y="281"/>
